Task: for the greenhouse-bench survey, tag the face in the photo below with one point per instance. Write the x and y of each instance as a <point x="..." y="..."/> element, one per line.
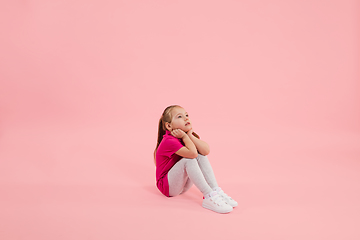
<point x="180" y="119"/>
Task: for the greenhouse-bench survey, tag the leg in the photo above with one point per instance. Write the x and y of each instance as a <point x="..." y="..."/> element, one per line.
<point x="187" y="171"/>
<point x="207" y="170"/>
<point x="210" y="178"/>
<point x="187" y="186"/>
<point x="177" y="178"/>
<point x="180" y="173"/>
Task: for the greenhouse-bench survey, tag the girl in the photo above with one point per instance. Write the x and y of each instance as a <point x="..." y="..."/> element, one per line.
<point x="181" y="161"/>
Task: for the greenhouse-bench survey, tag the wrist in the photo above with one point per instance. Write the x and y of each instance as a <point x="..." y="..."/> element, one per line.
<point x="185" y="136"/>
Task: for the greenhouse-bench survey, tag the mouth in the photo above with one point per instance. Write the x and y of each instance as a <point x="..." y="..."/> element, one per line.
<point x="187" y="123"/>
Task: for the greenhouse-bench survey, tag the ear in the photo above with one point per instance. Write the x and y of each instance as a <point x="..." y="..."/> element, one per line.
<point x="168" y="126"/>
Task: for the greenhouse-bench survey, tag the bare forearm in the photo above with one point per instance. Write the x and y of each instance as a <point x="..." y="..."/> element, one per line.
<point x="189" y="144"/>
<point x="200" y="145"/>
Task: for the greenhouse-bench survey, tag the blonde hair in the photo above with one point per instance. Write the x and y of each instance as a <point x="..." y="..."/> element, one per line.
<point x="165" y="117"/>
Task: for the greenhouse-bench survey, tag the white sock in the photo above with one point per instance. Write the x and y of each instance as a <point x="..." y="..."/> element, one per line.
<point x="217" y="189"/>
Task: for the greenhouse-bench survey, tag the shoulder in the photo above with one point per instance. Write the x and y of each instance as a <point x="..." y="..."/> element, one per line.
<point x="168" y="146"/>
<point x="170" y="139"/>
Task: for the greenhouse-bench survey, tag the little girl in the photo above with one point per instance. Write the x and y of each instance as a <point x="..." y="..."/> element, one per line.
<point x="181" y="161"/>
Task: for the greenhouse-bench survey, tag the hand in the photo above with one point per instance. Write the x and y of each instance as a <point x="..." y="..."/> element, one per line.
<point x="178" y="133"/>
<point x="190" y="132"/>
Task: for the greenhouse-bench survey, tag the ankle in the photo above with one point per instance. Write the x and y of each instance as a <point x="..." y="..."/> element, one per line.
<point x="211" y="194"/>
<point x="217" y="189"/>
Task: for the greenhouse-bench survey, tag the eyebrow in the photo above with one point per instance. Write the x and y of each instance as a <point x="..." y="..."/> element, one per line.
<point x="178" y="114"/>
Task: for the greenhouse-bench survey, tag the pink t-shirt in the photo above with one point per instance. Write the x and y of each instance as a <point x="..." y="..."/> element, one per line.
<point x="166" y="159"/>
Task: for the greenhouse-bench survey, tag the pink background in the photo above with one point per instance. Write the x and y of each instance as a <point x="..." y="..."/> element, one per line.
<point x="272" y="86"/>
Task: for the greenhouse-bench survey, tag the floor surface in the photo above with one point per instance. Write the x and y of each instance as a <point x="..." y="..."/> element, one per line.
<point x="90" y="183"/>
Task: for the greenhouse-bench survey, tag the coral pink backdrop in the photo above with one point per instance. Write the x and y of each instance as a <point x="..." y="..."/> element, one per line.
<point x="272" y="86"/>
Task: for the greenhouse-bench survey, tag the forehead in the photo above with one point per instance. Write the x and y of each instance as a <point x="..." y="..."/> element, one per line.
<point x="177" y="110"/>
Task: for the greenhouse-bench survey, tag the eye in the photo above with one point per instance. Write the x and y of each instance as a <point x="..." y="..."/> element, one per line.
<point x="179" y="116"/>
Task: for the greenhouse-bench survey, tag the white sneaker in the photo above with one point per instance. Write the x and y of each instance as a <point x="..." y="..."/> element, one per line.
<point x="227" y="198"/>
<point x="216" y="203"/>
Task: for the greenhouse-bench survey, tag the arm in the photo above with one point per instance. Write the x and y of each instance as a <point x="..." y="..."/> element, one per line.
<point x="202" y="147"/>
<point x="189" y="150"/>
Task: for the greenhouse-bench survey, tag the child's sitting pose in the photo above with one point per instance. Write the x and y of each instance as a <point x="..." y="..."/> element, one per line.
<point x="181" y="161"/>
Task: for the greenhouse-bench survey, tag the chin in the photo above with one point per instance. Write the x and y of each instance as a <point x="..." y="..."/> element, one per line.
<point x="187" y="130"/>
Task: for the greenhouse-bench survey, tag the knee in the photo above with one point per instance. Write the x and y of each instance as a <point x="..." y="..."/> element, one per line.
<point x="200" y="156"/>
<point x="190" y="160"/>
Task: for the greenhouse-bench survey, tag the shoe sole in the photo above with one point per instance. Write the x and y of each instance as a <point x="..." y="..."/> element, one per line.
<point x="234" y="206"/>
<point x="210" y="208"/>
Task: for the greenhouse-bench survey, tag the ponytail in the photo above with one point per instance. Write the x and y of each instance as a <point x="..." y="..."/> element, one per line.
<point x="161" y="133"/>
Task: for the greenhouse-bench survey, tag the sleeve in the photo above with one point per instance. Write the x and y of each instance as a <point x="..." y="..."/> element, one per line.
<point x="172" y="146"/>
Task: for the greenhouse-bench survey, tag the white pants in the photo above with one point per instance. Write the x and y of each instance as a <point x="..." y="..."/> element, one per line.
<point x="189" y="171"/>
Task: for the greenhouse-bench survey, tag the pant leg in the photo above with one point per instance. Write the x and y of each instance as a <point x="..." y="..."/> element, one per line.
<point x="184" y="169"/>
<point x="207" y="170"/>
<point x="177" y="178"/>
<point x="187" y="186"/>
